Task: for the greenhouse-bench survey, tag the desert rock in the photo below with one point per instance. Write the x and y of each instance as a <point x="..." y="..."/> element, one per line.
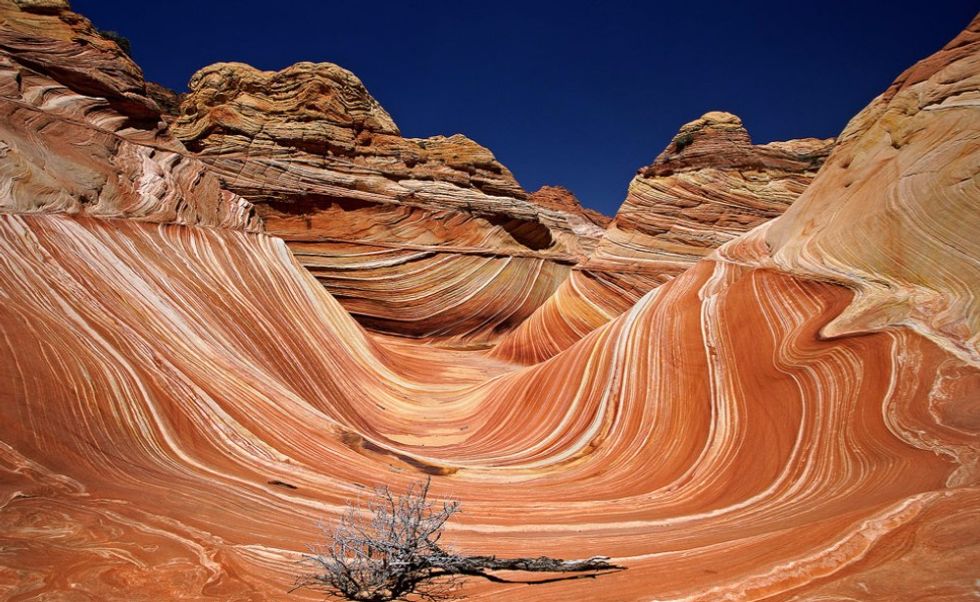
<point x="708" y="186"/>
<point x="428" y="238"/>
<point x="792" y="417"/>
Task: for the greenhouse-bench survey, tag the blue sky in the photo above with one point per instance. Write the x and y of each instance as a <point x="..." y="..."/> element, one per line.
<point x="574" y="93"/>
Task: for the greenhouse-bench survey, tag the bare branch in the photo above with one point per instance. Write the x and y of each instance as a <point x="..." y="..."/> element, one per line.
<point x="388" y="549"/>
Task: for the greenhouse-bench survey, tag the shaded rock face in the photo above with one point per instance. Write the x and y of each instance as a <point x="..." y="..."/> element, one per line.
<point x="166" y="99"/>
<point x="420" y="237"/>
<point x="792" y="418"/>
<point x="708" y="186"/>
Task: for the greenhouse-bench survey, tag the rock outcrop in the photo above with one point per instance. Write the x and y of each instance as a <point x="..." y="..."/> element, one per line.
<point x="419" y="237"/>
<point x="563" y="200"/>
<point x="913" y="255"/>
<point x="708" y="186"/>
<point x="794" y="417"/>
<point x="81" y="136"/>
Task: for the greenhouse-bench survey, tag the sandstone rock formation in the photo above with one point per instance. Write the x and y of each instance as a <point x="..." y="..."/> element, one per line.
<point x="916" y="149"/>
<point x="564" y="201"/>
<point x="708" y="186"/>
<point x="80" y="135"/>
<point x="794" y="417"/>
<point x="420" y="237"/>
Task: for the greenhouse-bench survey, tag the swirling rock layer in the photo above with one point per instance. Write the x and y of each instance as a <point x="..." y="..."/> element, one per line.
<point x="708" y="186"/>
<point x="80" y="136"/>
<point x="421" y="237"/>
<point x="916" y="148"/>
<point x="181" y="401"/>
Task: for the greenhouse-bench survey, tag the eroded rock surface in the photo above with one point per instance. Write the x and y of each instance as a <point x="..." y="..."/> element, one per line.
<point x="794" y="417"/>
<point x="81" y="136"/>
<point x="708" y="186"/>
<point x="421" y="237"/>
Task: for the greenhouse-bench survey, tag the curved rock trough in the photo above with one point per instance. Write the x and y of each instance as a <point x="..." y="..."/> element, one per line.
<point x="758" y="382"/>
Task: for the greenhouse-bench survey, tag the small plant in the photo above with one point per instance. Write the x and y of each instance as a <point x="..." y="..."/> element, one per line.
<point x="683" y="141"/>
<point x="120" y="40"/>
<point x="389" y="549"/>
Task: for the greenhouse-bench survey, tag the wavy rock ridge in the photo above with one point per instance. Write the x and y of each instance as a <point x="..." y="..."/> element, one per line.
<point x="181" y="401"/>
<point x="708" y="186"/>
<point x="417" y="237"/>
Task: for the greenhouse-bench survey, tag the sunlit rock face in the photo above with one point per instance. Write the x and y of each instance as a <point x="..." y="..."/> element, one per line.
<point x="80" y="136"/>
<point x="43" y="35"/>
<point x="181" y="401"/>
<point x="708" y="186"/>
<point x="563" y="201"/>
<point x="915" y="149"/>
<point x="419" y="237"/>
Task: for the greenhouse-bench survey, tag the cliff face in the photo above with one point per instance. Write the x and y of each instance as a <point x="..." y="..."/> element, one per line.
<point x="421" y="237"/>
<point x="794" y="417"/>
<point x="708" y="186"/>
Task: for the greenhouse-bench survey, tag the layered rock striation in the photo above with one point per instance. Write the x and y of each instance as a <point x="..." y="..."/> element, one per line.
<point x="708" y="186"/>
<point x="81" y="136"/>
<point x="418" y="237"/>
<point x="912" y="257"/>
<point x="794" y="417"/>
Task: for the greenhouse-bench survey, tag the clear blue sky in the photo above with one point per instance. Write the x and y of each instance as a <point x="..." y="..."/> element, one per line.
<point x="574" y="93"/>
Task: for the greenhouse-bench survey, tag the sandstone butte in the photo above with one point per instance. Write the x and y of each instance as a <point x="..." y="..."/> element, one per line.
<point x="790" y="416"/>
<point x="428" y="238"/>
